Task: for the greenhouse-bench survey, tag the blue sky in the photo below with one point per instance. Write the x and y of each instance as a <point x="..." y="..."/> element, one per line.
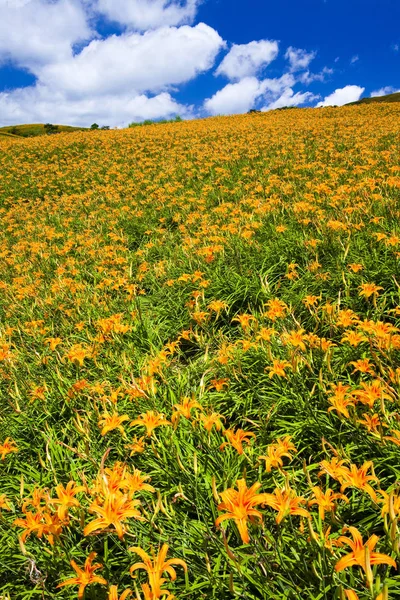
<point x="117" y="61"/>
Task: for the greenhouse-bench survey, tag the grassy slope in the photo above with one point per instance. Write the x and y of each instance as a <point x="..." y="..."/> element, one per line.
<point x="9" y="135"/>
<point x="388" y="98"/>
<point x="34" y="129"/>
<point x="116" y="247"/>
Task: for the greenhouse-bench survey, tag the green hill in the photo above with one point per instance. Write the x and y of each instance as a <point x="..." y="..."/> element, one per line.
<point x="9" y="135"/>
<point x="388" y="98"/>
<point x="34" y="129"/>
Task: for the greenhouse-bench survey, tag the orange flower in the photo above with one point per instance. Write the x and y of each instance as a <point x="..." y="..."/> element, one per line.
<point x="278" y="368"/>
<point x="240" y="506"/>
<point x="236" y="438"/>
<point x="275" y="453"/>
<point x="111" y="422"/>
<point x="276" y="309"/>
<point x="325" y="500"/>
<point x="85" y="576"/>
<point x="113" y="593"/>
<point x="369" y="289"/>
<point x="155" y="568"/>
<point x="361" y="554"/>
<point x="212" y="420"/>
<point x="184" y="409"/>
<point x="286" y="502"/>
<point x="7" y="447"/>
<point x="136" y="446"/>
<point x="335" y="468"/>
<point x="150" y="420"/>
<point x="358" y="478"/>
<point x="66" y="498"/>
<point x="78" y="353"/>
<point x="115" y="509"/>
<point x="4" y="505"/>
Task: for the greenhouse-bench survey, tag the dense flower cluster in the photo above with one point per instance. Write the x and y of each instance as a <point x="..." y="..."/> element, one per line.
<point x="199" y="359"/>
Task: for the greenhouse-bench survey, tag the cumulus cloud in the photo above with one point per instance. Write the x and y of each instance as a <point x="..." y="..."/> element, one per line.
<point x="145" y="62"/>
<point x="246" y="60"/>
<point x="299" y="59"/>
<point x="40" y="104"/>
<point x="341" y="96"/>
<point x="148" y="14"/>
<point x="388" y="89"/>
<point x="242" y="96"/>
<point x="119" y="79"/>
<point x="235" y="98"/>
<point x="37" y="32"/>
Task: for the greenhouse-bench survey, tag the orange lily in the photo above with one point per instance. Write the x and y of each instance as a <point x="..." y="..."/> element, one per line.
<point x="155" y="567"/>
<point x="85" y="576"/>
<point x="286" y="502"/>
<point x="66" y="497"/>
<point x="113" y="593"/>
<point x="115" y="509"/>
<point x="240" y="506"/>
<point x="236" y="438"/>
<point x="359" y="551"/>
<point x="150" y="420"/>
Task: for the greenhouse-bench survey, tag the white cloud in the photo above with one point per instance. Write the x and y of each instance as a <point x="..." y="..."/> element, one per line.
<point x="38" y="32"/>
<point x="289" y="98"/>
<point x="235" y="98"/>
<point x="299" y="59"/>
<point x="117" y="80"/>
<point x="245" y="60"/>
<point x="148" y="14"/>
<point x="354" y="59"/>
<point x="388" y="89"/>
<point x="307" y="77"/>
<point x="341" y="96"/>
<point x="39" y="104"/>
<point x="153" y="61"/>
<point x="242" y="96"/>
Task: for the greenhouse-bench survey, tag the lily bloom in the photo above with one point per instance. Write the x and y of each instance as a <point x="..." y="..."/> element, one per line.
<point x="278" y="368"/>
<point x="240" y="506"/>
<point x="85" y="576"/>
<point x="113" y="593"/>
<point x="325" y="500"/>
<point x="155" y="567"/>
<point x="358" y="478"/>
<point x="275" y="453"/>
<point x="110" y="422"/>
<point x="335" y="468"/>
<point x="286" y="502"/>
<point x="184" y="409"/>
<point x="211" y="420"/>
<point x="66" y="498"/>
<point x="7" y="447"/>
<point x="236" y="438"/>
<point x="361" y="553"/>
<point x="115" y="509"/>
<point x="150" y="420"/>
<point x="4" y="503"/>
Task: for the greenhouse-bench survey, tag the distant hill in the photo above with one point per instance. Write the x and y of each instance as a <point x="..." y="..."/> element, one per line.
<point x="9" y="135"/>
<point x="35" y="129"/>
<point x="388" y="98"/>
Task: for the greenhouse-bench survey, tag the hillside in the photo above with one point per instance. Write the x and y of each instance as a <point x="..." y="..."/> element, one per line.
<point x="200" y="360"/>
<point x="35" y="129"/>
<point x="388" y="98"/>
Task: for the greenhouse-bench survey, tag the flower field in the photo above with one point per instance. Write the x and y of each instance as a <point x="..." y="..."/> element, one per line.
<point x="200" y="359"/>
